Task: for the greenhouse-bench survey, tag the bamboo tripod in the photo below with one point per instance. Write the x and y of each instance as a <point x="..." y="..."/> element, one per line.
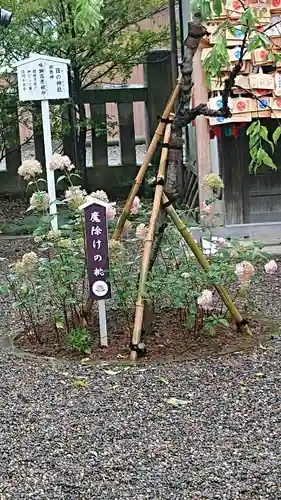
<point x="161" y="201"/>
<point x="160" y="198"/>
<point x="158" y="134"/>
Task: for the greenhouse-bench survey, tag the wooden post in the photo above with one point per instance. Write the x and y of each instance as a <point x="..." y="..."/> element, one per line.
<point x="12" y="136"/>
<point x="159" y="81"/>
<point x="127" y="133"/>
<point x="38" y="134"/>
<point x="99" y="135"/>
<point x="204" y="161"/>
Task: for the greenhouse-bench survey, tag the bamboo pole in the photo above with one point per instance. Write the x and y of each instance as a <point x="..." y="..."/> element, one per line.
<point x="141" y="173"/>
<point x="147" y="159"/>
<point x="204" y="264"/>
<point x="148" y="244"/>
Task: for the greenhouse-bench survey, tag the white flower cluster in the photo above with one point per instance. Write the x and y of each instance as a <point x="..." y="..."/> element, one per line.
<point x="26" y="264"/>
<point x="61" y="162"/>
<point x="30" y="169"/>
<point x="244" y="271"/>
<point x="99" y="195"/>
<point x="102" y="196"/>
<point x="39" y="201"/>
<point x="205" y="300"/>
<point x="141" y="231"/>
<point x="75" y="196"/>
<point x="54" y="234"/>
<point x="136" y="205"/>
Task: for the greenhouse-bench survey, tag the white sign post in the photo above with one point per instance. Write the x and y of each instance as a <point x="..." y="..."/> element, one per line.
<point x="43" y="78"/>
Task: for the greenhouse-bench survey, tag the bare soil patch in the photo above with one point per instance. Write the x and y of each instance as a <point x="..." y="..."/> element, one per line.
<point x="168" y="340"/>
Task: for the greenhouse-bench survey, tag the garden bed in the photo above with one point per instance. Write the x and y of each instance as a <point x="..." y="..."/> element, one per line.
<point x="168" y="340"/>
<point x="175" y="274"/>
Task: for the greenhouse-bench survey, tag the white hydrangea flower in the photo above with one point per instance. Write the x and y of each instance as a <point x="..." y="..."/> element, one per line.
<point x="30" y="169"/>
<point x="205" y="300"/>
<point x="99" y="195"/>
<point x="75" y="196"/>
<point x="39" y="201"/>
<point x="60" y="162"/>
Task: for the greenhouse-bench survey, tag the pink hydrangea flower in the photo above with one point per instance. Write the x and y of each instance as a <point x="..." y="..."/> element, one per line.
<point x="205" y="209"/>
<point x="135" y="208"/>
<point x="141" y="231"/>
<point x="111" y="211"/>
<point x="205" y="300"/>
<point x="270" y="267"/>
<point x="244" y="271"/>
<point x="222" y="243"/>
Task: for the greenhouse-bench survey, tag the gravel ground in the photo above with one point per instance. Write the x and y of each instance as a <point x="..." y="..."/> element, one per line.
<point x="73" y="432"/>
<point x="118" y="438"/>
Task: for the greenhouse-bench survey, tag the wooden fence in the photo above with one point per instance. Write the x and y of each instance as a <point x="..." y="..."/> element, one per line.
<point x="116" y="178"/>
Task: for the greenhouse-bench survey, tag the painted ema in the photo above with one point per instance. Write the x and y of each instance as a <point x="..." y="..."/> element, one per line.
<point x="96" y="233"/>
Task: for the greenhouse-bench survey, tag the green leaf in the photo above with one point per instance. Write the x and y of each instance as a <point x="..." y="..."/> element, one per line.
<point x="62" y="290"/>
<point x="265" y="40"/>
<point x="85" y="361"/>
<point x="253" y="140"/>
<point x="76" y="175"/>
<point x="163" y="380"/>
<point x="61" y="178"/>
<point x="255" y="43"/>
<point x="248" y="18"/>
<point x="223" y="322"/>
<point x="217" y="6"/>
<point x="264" y="133"/>
<point x="254" y="128"/>
<point x="276" y="134"/>
<point x="4" y="289"/>
<point x="268" y="161"/>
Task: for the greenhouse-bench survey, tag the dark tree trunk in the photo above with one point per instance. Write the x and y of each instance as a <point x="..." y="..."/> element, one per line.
<point x="81" y="129"/>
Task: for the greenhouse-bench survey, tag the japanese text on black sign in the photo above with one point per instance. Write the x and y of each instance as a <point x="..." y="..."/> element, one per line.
<point x="97" y="251"/>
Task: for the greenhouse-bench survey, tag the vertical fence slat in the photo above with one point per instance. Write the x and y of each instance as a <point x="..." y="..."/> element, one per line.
<point x="38" y="134"/>
<point x="99" y="135"/>
<point x="69" y="136"/>
<point x="158" y="78"/>
<point x="127" y="133"/>
<point x="13" y="151"/>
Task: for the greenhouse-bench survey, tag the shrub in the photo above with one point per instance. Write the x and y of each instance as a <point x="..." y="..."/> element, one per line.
<point x="49" y="287"/>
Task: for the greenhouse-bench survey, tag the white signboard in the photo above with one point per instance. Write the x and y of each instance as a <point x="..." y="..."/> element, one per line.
<point x="42" y="78"/>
